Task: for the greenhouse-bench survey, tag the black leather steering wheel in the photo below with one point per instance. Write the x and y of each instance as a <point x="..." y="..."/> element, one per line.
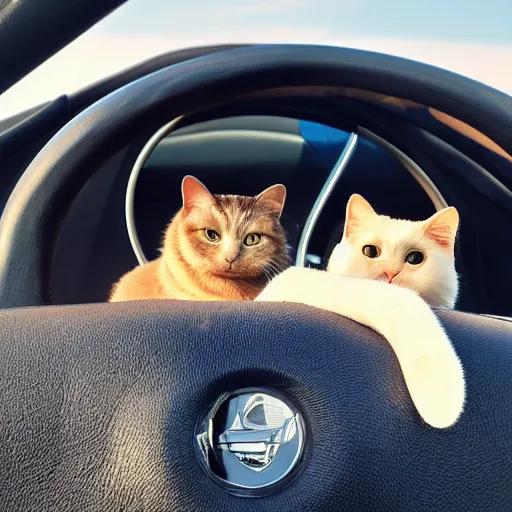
<point x="100" y="403"/>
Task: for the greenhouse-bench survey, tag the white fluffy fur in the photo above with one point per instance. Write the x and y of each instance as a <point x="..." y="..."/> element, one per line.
<point x="435" y="280"/>
<point x="432" y="371"/>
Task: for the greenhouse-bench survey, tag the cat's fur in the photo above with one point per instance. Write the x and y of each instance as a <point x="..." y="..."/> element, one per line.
<point x="195" y="268"/>
<point x="432" y="371"/>
<point x="435" y="279"/>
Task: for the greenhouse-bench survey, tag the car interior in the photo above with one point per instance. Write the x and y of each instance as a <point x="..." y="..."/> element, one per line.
<point x="295" y="140"/>
<point x="108" y="406"/>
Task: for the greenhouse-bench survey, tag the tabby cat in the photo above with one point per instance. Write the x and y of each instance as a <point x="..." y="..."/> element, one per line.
<point x="217" y="247"/>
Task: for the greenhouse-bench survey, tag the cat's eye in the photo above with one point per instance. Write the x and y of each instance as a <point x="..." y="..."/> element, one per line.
<point x="252" y="239"/>
<point x="370" y="251"/>
<point x="211" y="235"/>
<point x="415" y="258"/>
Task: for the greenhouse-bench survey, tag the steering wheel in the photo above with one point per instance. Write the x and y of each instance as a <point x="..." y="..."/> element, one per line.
<point x="125" y="406"/>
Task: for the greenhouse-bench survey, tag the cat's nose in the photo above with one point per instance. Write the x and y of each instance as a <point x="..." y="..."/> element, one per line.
<point x="231" y="252"/>
<point x="390" y="275"/>
<point x="231" y="257"/>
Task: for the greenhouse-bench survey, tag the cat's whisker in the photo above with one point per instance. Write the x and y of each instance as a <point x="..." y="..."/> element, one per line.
<point x="269" y="272"/>
<point x="268" y="275"/>
<point x="272" y="269"/>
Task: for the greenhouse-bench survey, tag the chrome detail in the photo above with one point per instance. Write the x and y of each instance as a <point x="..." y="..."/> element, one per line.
<point x="498" y="317"/>
<point x="322" y="198"/>
<point x="250" y="442"/>
<point x="314" y="259"/>
<point x="150" y="145"/>
<point x="410" y="165"/>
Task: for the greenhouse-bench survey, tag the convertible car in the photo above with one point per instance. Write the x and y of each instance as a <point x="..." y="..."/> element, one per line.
<point x="177" y="405"/>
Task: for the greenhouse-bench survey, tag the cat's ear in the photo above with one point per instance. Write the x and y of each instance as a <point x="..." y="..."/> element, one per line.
<point x="358" y="212"/>
<point x="442" y="227"/>
<point x="195" y="194"/>
<point x="275" y="196"/>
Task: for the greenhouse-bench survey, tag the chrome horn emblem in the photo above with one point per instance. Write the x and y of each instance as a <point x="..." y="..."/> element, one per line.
<point x="260" y="425"/>
<point x="251" y="441"/>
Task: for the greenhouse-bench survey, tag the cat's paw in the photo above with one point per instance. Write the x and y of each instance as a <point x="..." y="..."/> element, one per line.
<point x="285" y="287"/>
<point x="437" y="386"/>
<point x="431" y="368"/>
<point x="432" y="371"/>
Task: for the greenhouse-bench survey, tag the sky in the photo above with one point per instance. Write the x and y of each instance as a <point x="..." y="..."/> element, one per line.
<point x="470" y="37"/>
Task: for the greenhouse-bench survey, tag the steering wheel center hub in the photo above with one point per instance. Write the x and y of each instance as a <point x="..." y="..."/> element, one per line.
<point x="251" y="442"/>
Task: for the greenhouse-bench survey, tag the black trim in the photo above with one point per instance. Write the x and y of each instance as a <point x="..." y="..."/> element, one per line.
<point x="41" y="122"/>
<point x="31" y="31"/>
<point x="91" y="93"/>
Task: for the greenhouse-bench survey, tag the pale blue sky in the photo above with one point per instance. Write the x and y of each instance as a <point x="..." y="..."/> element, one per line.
<point x="460" y="20"/>
<point x="470" y="37"/>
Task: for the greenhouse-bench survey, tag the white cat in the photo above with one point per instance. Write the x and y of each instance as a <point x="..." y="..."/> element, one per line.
<point x="432" y="371"/>
<point x="414" y="255"/>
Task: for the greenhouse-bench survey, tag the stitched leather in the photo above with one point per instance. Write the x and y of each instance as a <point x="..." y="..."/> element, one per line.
<point x="99" y="405"/>
<point x="30" y="220"/>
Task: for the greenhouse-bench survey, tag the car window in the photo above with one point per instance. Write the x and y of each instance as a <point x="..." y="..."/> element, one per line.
<point x="458" y="35"/>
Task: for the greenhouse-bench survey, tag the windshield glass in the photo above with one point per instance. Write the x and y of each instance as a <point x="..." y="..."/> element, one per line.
<point x="457" y="35"/>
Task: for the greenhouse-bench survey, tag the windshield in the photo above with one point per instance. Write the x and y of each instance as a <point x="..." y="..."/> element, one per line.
<point x="457" y="35"/>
